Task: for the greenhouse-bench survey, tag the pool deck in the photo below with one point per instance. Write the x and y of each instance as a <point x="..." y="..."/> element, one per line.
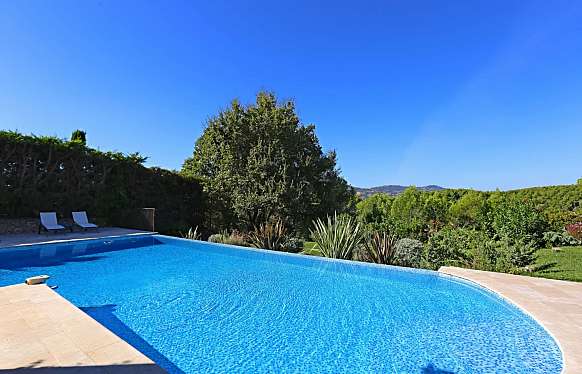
<point x="555" y="304"/>
<point x="41" y="332"/>
<point x="14" y="240"/>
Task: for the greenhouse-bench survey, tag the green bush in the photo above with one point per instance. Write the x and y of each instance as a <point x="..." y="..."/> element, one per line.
<point x="518" y="221"/>
<point x="456" y="247"/>
<point x="293" y="245"/>
<point x="338" y="236"/>
<point x="409" y="252"/>
<point x="559" y="239"/>
<point x="380" y="247"/>
<point x="558" y="220"/>
<point x="514" y="255"/>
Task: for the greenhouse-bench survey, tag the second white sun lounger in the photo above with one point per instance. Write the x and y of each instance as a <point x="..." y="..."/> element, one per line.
<point x="81" y="220"/>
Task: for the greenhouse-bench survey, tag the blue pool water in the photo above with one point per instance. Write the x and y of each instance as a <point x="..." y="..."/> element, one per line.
<point x="197" y="307"/>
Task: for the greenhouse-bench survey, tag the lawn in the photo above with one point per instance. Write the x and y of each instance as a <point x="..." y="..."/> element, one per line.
<point x="565" y="264"/>
<point x="310" y="248"/>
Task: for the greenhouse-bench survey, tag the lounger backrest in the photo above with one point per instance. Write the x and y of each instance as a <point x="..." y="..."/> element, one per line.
<point x="48" y="218"/>
<point x="80" y="217"/>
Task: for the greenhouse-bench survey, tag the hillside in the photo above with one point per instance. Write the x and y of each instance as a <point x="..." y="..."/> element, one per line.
<point x="391" y="189"/>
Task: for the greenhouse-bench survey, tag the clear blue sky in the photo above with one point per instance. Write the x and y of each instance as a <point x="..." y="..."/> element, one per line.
<point x="480" y="94"/>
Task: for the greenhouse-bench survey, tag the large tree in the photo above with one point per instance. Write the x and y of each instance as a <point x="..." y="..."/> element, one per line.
<point x="259" y="162"/>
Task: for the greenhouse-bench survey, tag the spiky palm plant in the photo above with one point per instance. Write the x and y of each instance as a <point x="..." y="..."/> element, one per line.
<point x="338" y="236"/>
<point x="381" y="247"/>
<point x="192" y="234"/>
<point x="269" y="235"/>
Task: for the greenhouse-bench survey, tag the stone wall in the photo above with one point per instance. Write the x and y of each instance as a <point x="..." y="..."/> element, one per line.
<point x="18" y="225"/>
<point x="24" y="225"/>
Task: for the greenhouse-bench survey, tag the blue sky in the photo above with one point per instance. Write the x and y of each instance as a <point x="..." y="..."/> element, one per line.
<point x="481" y="94"/>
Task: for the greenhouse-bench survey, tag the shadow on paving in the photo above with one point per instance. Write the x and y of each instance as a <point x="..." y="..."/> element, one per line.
<point x="105" y="315"/>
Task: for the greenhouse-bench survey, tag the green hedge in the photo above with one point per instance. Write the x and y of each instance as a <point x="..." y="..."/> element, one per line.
<point x="50" y="174"/>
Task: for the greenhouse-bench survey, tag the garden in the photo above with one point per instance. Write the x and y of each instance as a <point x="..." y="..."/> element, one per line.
<point x="259" y="177"/>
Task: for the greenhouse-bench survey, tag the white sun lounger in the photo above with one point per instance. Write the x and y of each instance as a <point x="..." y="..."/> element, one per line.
<point x="81" y="220"/>
<point x="48" y="221"/>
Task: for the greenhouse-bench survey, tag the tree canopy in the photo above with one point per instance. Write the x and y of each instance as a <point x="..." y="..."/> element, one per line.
<point x="79" y="136"/>
<point x="258" y="162"/>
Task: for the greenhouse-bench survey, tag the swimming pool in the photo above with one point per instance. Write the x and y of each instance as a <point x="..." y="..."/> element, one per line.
<point x="199" y="307"/>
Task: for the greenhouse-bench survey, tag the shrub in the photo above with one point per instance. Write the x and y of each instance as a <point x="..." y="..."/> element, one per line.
<point x="408" y="252"/>
<point x="455" y="247"/>
<point x="216" y="238"/>
<point x="234" y="238"/>
<point x="558" y="220"/>
<point x="269" y="235"/>
<point x="380" y="247"/>
<point x="293" y="245"/>
<point x="575" y="230"/>
<point x="559" y="239"/>
<point x="338" y="236"/>
<point x="514" y="254"/>
<point x="518" y="221"/>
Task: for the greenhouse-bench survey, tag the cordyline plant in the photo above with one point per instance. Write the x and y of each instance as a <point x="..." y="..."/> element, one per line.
<point x="575" y="230"/>
<point x="269" y="235"/>
<point x="338" y="236"/>
<point x="191" y="234"/>
<point x="381" y="247"/>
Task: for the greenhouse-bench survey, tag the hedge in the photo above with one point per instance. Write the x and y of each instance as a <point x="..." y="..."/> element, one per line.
<point x="51" y="174"/>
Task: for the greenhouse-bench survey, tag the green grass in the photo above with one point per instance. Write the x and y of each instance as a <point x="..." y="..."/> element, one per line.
<point x="565" y="264"/>
<point x="310" y="248"/>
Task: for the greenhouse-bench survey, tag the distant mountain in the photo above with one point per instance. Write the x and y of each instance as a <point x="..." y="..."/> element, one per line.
<point x="392" y="189"/>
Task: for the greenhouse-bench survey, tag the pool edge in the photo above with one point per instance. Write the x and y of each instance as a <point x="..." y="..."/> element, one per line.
<point x="48" y="331"/>
<point x="511" y="289"/>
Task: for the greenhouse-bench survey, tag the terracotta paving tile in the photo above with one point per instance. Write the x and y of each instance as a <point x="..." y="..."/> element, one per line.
<point x="555" y="304"/>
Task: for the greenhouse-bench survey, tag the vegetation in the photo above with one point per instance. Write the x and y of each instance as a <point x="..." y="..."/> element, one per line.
<point x="575" y="230"/>
<point x="408" y="252"/>
<point x="50" y="174"/>
<point x="559" y="239"/>
<point x="269" y="235"/>
<point x="380" y="247"/>
<point x="191" y="234"/>
<point x="337" y="237"/>
<point x="565" y="264"/>
<point x="233" y="238"/>
<point x="259" y="177"/>
<point x="259" y="162"/>
<point x="497" y="231"/>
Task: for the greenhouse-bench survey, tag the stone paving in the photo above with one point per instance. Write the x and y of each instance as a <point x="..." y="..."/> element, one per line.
<point x="41" y="332"/>
<point x="555" y="304"/>
<point x="12" y="240"/>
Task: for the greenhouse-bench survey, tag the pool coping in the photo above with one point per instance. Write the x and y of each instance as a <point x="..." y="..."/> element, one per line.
<point x="40" y="329"/>
<point x="555" y="305"/>
<point x="75" y="240"/>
